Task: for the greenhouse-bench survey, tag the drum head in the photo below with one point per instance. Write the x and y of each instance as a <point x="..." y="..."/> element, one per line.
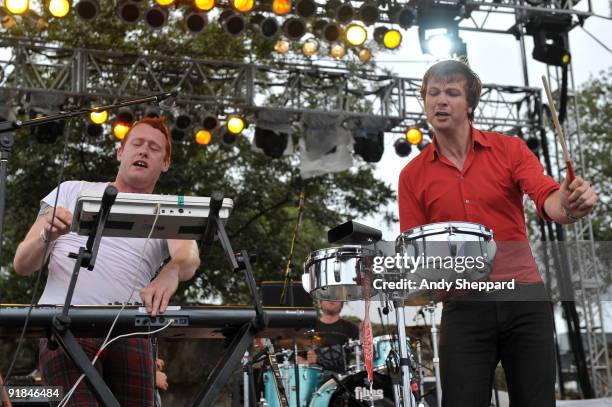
<point x="357" y="398"/>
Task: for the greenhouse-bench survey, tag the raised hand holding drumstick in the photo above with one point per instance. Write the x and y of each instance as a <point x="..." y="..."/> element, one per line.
<point x="577" y="198"/>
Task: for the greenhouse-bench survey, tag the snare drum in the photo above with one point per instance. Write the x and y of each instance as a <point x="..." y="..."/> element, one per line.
<point x="440" y="245"/>
<point x="338" y="273"/>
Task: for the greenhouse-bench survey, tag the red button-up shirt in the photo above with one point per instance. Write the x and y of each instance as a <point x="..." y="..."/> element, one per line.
<point x="497" y="172"/>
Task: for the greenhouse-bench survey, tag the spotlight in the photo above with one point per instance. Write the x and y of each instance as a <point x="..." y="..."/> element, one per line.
<point x="414" y="136"/>
<point x="87" y="9"/>
<point x="355" y="35"/>
<point x="46" y="133"/>
<point x="439" y="32"/>
<point x="310" y="47"/>
<point x="126" y="116"/>
<point x="243" y="6"/>
<point x="182" y="123"/>
<point x="550" y="43"/>
<point x="337" y="51"/>
<point x="94" y="130"/>
<point x="17" y="6"/>
<point x="233" y="23"/>
<point x="98" y="117"/>
<point x="228" y="138"/>
<point x="294" y="28"/>
<point x="424" y="143"/>
<point x="370" y="146"/>
<point x="343" y="12"/>
<point x="120" y="129"/>
<point x="402" y="147"/>
<point x="392" y="39"/>
<point x="266" y="26"/>
<point x="59" y="8"/>
<point x="210" y="122"/>
<point x="281" y="46"/>
<point x="203" y="137"/>
<point x="165" y="3"/>
<point x="156" y="17"/>
<point x="272" y="143"/>
<point x="8" y="22"/>
<point x="331" y="32"/>
<point x="402" y="16"/>
<point x="281" y="7"/>
<point x="306" y="8"/>
<point x="235" y="124"/>
<point x="128" y="11"/>
<point x="439" y="45"/>
<point x="195" y="21"/>
<point x="368" y="13"/>
<point x="204" y="5"/>
<point x="365" y="55"/>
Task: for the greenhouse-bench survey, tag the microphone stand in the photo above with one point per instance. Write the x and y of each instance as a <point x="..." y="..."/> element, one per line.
<point x="60" y="323"/>
<point x="8" y="128"/>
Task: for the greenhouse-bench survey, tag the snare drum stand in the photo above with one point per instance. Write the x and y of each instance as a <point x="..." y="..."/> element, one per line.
<point x="431" y="308"/>
<point x="408" y="399"/>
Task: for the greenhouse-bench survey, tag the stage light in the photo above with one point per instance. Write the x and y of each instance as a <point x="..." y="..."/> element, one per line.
<point x="87" y="9"/>
<point x="152" y="112"/>
<point x="181" y="125"/>
<point x="331" y="32"/>
<point x="125" y="115"/>
<point x="440" y="46"/>
<point x="243" y="6"/>
<point x="355" y="35"/>
<point x="310" y="47"/>
<point x="272" y="143"/>
<point x="8" y="22"/>
<point x="337" y="51"/>
<point x="424" y="143"/>
<point x="368" y="13"/>
<point x="402" y="147"/>
<point x="343" y="12"/>
<point x="392" y="39"/>
<point x="281" y="7"/>
<point x="128" y="11"/>
<point x="156" y="17"/>
<point x="203" y="137"/>
<point x="59" y="8"/>
<point x="550" y="42"/>
<point x="17" y="6"/>
<point x="210" y="122"/>
<point x="402" y="16"/>
<point x="281" y="46"/>
<point x="534" y="145"/>
<point x="165" y="3"/>
<point x="98" y="117"/>
<point x="235" y="124"/>
<point x="306" y="8"/>
<point x="46" y="133"/>
<point x="414" y="136"/>
<point x="233" y="23"/>
<point x="365" y="55"/>
<point x="294" y="28"/>
<point x="439" y="32"/>
<point x="228" y="138"/>
<point x="266" y="26"/>
<point x="195" y="21"/>
<point x="120" y="129"/>
<point x="94" y="130"/>
<point x="205" y="5"/>
<point x="370" y="146"/>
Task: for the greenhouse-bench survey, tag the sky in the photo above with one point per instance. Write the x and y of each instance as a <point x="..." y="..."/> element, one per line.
<point x="496" y="58"/>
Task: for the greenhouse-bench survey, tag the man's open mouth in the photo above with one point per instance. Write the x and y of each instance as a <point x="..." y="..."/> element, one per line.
<point x="142" y="164"/>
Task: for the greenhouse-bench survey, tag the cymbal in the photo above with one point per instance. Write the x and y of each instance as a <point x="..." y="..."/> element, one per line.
<point x="313" y="339"/>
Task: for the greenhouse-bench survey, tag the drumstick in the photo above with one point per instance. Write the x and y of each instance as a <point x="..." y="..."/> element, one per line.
<point x="553" y="113"/>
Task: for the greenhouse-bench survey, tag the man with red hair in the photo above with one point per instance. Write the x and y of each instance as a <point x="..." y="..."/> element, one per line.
<point x="125" y="269"/>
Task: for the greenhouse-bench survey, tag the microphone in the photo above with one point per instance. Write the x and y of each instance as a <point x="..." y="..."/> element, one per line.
<point x="167" y="101"/>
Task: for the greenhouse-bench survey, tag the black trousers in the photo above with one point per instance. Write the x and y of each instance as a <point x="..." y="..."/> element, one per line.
<point x="476" y="335"/>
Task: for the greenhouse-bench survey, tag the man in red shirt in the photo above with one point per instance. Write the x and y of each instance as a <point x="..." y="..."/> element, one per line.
<point x="476" y="176"/>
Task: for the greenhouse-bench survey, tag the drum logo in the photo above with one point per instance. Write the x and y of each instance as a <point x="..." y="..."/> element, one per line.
<point x="365" y="394"/>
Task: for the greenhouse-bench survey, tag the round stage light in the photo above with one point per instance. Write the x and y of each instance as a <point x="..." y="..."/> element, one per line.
<point x="205" y="5"/>
<point x="365" y="55"/>
<point x="392" y="39"/>
<point x="235" y="124"/>
<point x="402" y="147"/>
<point x="355" y="35"/>
<point x="281" y="46"/>
<point x="414" y="136"/>
<point x="59" y="8"/>
<point x="98" y="117"/>
<point x="165" y="3"/>
<point x="281" y="7"/>
<point x="440" y="46"/>
<point x="17" y="6"/>
<point x="244" y="6"/>
<point x="338" y="51"/>
<point x="203" y="137"/>
<point x="566" y="59"/>
<point x="310" y="47"/>
<point x="120" y="129"/>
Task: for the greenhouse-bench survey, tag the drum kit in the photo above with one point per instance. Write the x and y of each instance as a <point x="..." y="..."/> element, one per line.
<point x="345" y="273"/>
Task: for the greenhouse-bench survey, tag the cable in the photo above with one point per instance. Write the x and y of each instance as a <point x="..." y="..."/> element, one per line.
<point x="597" y="40"/>
<point x="44" y="257"/>
<point x="99" y="352"/>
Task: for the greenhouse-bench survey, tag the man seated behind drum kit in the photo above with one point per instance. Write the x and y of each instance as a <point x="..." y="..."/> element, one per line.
<point x="339" y="331"/>
<point x="468" y="175"/>
<point x="128" y="364"/>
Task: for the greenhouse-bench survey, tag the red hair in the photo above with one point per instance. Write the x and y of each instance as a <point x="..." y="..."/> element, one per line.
<point x="158" y="123"/>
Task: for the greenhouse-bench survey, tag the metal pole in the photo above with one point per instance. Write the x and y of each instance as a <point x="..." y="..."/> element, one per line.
<point x="436" y="359"/>
<point x="404" y="357"/>
<point x="245" y="379"/>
